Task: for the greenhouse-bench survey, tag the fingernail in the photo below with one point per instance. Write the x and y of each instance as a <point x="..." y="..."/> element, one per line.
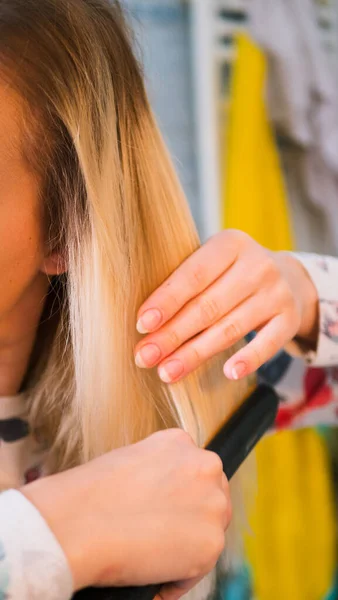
<point x="148" y="356"/>
<point x="149" y="321"/>
<point x="171" y="371"/>
<point x="238" y="370"/>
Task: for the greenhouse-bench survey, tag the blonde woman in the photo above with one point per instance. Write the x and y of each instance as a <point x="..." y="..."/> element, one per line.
<point x="92" y="220"/>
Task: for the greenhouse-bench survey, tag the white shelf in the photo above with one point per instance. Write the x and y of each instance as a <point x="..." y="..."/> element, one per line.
<point x="210" y="25"/>
<point x="206" y="92"/>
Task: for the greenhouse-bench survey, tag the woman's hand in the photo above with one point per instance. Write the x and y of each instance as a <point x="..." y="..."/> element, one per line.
<point x="227" y="288"/>
<point x="152" y="512"/>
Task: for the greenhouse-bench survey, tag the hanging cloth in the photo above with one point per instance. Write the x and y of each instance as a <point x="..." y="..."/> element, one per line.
<point x="302" y="101"/>
<point x="291" y="550"/>
<point x="253" y="186"/>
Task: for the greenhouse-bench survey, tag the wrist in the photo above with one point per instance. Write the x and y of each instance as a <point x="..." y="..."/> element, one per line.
<point x="307" y="295"/>
<point x="25" y="533"/>
<point x="71" y="504"/>
<point x="58" y="504"/>
<point x="309" y="327"/>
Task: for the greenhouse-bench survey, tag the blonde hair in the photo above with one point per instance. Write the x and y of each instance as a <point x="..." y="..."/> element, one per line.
<point x="115" y="211"/>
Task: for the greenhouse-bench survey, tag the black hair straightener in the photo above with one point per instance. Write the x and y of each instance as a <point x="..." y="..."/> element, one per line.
<point x="232" y="443"/>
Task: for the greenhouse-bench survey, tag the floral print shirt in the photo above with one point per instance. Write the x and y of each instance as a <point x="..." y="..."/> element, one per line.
<point x="32" y="564"/>
<point x="307" y="382"/>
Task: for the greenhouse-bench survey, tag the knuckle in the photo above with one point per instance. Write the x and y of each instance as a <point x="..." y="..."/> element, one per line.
<point x="258" y="357"/>
<point x="228" y="511"/>
<point x="209" y="311"/>
<point x="245" y="240"/>
<point x="197" y="276"/>
<point x="272" y="274"/>
<point x="225" y="506"/>
<point x="220" y="506"/>
<point x="260" y="268"/>
<point x="212" y="464"/>
<point x="287" y="294"/>
<point x="269" y="264"/>
<point x="271" y="347"/>
<point x="171" y="297"/>
<point x="195" y="572"/>
<point x="256" y="360"/>
<point x="232" y="332"/>
<point x="175" y="435"/>
<point x="212" y="543"/>
<point x="172" y="338"/>
<point x="238" y="235"/>
<point x="203" y="565"/>
<point x="196" y="356"/>
<point x="182" y="435"/>
<point x="296" y="320"/>
<point x="219" y="544"/>
<point x="216" y="546"/>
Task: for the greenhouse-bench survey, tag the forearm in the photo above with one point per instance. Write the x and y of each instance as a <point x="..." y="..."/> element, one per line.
<point x="305" y="295"/>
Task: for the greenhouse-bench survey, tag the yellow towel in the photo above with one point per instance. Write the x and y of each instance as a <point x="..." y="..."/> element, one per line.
<point x="292" y="549"/>
<point x="254" y="188"/>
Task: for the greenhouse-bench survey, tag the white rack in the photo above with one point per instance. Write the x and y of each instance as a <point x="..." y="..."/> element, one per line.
<point x="212" y="26"/>
<point x="205" y="91"/>
<point x="209" y="29"/>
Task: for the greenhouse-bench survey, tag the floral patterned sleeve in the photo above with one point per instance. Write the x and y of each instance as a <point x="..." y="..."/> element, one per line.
<point x="324" y="273"/>
<point x="32" y="563"/>
<point x="308" y="381"/>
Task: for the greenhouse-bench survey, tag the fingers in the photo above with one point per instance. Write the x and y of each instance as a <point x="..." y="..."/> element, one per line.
<point x="224" y="334"/>
<point x="174" y="591"/>
<point x="226" y="289"/>
<point x="198" y="315"/>
<point x="264" y="346"/>
<point x="176" y="436"/>
<point x="190" y="279"/>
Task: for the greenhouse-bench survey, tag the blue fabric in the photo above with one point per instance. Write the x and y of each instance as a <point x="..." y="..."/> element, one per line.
<point x="273" y="371"/>
<point x="236" y="587"/>
<point x="333" y="595"/>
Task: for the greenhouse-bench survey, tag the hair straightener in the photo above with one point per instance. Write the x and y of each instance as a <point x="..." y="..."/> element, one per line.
<point x="233" y="442"/>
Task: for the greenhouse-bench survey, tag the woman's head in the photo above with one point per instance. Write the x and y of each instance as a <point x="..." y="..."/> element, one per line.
<point x="105" y="206"/>
<point x="68" y="82"/>
<point x="21" y="257"/>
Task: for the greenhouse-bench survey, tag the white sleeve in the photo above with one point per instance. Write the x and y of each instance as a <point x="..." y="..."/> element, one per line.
<point x="32" y="563"/>
<point x="323" y="271"/>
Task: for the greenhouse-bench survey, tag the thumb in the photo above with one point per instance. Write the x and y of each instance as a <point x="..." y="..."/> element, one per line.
<point x="174" y="591"/>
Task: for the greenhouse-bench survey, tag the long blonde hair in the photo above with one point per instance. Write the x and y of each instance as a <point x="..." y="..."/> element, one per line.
<point x="115" y="212"/>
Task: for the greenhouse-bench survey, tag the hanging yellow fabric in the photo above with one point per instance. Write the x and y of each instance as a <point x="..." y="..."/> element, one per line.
<point x="292" y="549"/>
<point x="254" y="186"/>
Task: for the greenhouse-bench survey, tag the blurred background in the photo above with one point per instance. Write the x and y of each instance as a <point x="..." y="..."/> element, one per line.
<point x="245" y="92"/>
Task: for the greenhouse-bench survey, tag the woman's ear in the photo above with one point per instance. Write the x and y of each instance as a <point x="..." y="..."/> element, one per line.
<point x="54" y="264"/>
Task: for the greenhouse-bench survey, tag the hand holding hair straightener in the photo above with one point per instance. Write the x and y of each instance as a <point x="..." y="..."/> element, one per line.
<point x="232" y="444"/>
<point x="228" y="288"/>
<point x="113" y="510"/>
